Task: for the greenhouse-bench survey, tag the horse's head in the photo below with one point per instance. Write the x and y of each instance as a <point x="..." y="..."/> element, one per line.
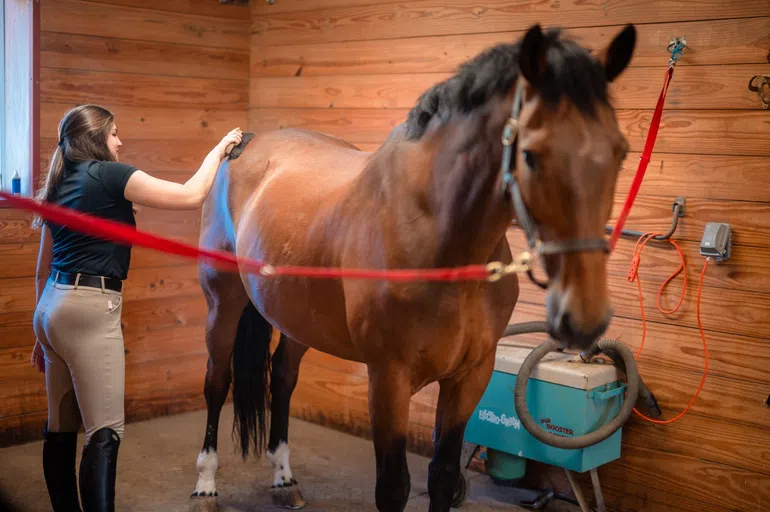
<point x="568" y="154"/>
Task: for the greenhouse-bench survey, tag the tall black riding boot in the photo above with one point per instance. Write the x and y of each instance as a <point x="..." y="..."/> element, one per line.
<point x="59" y="452"/>
<point x="98" y="469"/>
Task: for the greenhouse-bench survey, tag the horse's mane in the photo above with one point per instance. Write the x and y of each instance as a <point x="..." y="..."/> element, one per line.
<point x="570" y="71"/>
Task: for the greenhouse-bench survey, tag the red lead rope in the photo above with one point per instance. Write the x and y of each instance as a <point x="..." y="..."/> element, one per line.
<point x="643" y="161"/>
<point x="122" y="233"/>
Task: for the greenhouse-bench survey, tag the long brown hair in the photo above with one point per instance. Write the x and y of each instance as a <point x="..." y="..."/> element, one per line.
<point x="83" y="135"/>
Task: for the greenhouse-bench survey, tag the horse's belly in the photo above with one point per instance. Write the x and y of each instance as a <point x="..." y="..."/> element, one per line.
<point x="309" y="311"/>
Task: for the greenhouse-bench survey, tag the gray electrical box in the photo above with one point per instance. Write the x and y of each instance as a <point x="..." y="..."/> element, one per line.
<point x="716" y="241"/>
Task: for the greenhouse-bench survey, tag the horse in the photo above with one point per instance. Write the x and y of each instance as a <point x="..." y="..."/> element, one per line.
<point x="523" y="130"/>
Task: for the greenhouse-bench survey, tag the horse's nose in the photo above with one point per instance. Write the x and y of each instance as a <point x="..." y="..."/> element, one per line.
<point x="565" y="329"/>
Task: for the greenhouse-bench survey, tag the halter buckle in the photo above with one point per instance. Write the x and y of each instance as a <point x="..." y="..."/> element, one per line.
<point x="510" y="130"/>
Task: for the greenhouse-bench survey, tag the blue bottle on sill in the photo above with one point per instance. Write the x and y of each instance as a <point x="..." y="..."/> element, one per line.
<point x="16" y="184"/>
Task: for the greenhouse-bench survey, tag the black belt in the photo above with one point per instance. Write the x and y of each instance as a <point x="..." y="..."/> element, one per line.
<point x="90" y="281"/>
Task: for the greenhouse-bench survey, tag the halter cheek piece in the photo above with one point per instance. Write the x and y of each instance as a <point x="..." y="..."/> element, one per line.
<point x="523" y="218"/>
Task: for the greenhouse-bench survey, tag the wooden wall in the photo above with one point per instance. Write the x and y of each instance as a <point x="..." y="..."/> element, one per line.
<point x="175" y="74"/>
<point x="353" y="69"/>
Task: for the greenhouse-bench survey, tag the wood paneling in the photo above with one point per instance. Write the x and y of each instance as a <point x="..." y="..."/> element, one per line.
<point x="176" y="78"/>
<point x="84" y="52"/>
<point x="429" y="17"/>
<point x="88" y="18"/>
<point x="354" y="69"/>
<point x="695" y="87"/>
<point x="200" y="7"/>
<point x="141" y="90"/>
<point x="731" y="41"/>
<point x="731" y="178"/>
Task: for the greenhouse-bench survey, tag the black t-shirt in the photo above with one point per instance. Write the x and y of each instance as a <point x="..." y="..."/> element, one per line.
<point x="95" y="188"/>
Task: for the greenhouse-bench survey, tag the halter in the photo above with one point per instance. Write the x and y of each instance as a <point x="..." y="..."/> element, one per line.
<point x="523" y="218"/>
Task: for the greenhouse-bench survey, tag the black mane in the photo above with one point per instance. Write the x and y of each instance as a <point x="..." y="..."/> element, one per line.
<point x="571" y="71"/>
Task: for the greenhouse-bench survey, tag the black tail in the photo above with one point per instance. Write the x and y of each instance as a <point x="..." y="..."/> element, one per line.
<point x="251" y="370"/>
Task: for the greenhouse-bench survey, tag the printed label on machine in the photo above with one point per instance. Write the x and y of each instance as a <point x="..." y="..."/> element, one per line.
<point x="507" y="421"/>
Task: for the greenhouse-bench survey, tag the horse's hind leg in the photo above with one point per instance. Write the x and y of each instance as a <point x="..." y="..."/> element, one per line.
<point x="226" y="300"/>
<point x="457" y="400"/>
<point x="389" y="393"/>
<point x="286" y="361"/>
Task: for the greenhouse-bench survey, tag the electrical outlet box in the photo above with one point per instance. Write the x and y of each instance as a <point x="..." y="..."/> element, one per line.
<point x="716" y="241"/>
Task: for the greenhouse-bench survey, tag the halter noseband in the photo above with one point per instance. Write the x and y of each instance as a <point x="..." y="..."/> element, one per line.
<point x="523" y="218"/>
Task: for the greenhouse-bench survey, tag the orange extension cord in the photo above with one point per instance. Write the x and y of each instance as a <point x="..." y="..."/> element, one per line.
<point x="633" y="275"/>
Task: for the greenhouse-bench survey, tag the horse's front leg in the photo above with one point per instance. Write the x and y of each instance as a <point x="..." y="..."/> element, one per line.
<point x="283" y="379"/>
<point x="389" y="394"/>
<point x="457" y="400"/>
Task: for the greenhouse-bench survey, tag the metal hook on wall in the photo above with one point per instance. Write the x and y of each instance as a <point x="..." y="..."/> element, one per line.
<point x="675" y="46"/>
<point x="760" y="84"/>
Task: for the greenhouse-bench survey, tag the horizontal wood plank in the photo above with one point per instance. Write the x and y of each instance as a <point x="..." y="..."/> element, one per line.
<point x="730" y="41"/>
<point x="429" y="17"/>
<point x="207" y="126"/>
<point x="88" y="18"/>
<point x="725" y="132"/>
<point x="146" y="91"/>
<point x="199" y="7"/>
<point x="721" y="442"/>
<point x="95" y="53"/>
<point x="734" y="178"/>
<point x="695" y="87"/>
<point x="687" y="483"/>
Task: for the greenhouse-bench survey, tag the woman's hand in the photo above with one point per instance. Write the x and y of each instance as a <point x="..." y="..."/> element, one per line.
<point x="38" y="358"/>
<point x="233" y="138"/>
<point x="145" y="190"/>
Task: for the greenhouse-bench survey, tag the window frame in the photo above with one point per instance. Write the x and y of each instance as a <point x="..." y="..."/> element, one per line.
<point x="33" y="172"/>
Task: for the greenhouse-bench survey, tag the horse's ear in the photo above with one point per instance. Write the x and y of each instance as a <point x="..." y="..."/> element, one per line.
<point x="619" y="53"/>
<point x="532" y="55"/>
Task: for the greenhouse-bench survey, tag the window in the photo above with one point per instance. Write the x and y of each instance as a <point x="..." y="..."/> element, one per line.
<point x="19" y="154"/>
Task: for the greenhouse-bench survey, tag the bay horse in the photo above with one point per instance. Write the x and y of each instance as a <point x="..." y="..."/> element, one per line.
<point x="441" y="191"/>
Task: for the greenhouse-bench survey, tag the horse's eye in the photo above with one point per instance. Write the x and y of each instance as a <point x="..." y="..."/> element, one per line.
<point x="530" y="160"/>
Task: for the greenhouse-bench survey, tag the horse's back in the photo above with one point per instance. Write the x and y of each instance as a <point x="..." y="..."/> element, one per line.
<point x="306" y="163"/>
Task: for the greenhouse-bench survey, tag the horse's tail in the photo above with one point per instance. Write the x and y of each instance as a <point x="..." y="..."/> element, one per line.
<point x="251" y="370"/>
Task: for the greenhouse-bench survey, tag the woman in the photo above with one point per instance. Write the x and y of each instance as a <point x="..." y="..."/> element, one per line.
<point x="79" y="299"/>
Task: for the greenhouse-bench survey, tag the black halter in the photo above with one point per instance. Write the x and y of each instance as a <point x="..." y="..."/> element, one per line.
<point x="523" y="218"/>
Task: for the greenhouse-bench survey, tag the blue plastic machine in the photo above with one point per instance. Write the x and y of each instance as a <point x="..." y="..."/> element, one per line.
<point x="565" y="395"/>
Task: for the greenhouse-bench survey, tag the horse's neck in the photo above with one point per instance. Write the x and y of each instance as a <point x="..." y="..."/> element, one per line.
<point x="448" y="190"/>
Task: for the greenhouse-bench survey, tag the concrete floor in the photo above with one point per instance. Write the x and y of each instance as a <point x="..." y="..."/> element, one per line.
<point x="156" y="471"/>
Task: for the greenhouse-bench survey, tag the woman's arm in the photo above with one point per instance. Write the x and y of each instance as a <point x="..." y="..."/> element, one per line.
<point x="145" y="190"/>
<point x="44" y="258"/>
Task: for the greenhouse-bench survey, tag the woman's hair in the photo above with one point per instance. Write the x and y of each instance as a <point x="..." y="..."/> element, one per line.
<point x="83" y="135"/>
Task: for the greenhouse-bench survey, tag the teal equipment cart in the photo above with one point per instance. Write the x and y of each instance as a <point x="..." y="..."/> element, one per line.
<point x="566" y="396"/>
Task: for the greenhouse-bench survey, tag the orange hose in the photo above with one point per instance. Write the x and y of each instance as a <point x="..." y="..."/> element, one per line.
<point x="633" y="275"/>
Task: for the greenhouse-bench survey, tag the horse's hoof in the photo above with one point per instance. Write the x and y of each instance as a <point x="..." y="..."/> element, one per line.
<point x="203" y="503"/>
<point x="289" y="497"/>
